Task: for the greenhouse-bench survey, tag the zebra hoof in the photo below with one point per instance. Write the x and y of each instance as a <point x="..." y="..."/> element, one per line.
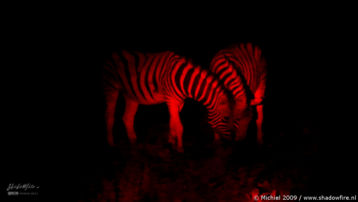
<point x="217" y="143"/>
<point x="133" y="141"/>
<point x="180" y="150"/>
<point x="111" y="144"/>
<point x="239" y="138"/>
<point x="171" y="140"/>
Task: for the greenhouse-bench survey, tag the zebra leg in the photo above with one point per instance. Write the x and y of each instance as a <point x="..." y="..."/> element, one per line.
<point x="242" y="124"/>
<point x="241" y="130"/>
<point x="259" y="96"/>
<point x="130" y="110"/>
<point x="216" y="137"/>
<point x="111" y="101"/>
<point x="259" y="120"/>
<point x="176" y="127"/>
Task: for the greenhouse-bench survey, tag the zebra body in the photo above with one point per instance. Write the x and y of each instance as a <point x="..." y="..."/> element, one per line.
<point x="242" y="69"/>
<point x="161" y="78"/>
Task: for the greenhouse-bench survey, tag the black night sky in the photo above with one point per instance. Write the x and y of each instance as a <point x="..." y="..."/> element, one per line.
<point x="56" y="106"/>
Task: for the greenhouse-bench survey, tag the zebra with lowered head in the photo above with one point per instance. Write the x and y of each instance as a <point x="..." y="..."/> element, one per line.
<point x="242" y="70"/>
<point x="163" y="78"/>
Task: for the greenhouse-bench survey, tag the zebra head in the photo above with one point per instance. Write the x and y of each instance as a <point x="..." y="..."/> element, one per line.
<point x="222" y="117"/>
<point x="242" y="116"/>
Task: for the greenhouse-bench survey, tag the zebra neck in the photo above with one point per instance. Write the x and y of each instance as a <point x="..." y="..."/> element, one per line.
<point x="207" y="90"/>
<point x="193" y="82"/>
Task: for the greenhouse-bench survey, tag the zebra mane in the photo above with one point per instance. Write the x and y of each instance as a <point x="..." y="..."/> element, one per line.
<point x="241" y="79"/>
<point x="228" y="93"/>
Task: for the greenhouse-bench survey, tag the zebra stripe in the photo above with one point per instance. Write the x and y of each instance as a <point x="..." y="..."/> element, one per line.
<point x="242" y="70"/>
<point x="162" y="78"/>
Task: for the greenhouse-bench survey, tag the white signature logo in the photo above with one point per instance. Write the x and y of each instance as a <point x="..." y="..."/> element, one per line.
<point x="22" y="189"/>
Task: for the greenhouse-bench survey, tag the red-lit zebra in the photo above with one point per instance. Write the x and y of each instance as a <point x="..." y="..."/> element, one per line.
<point x="242" y="69"/>
<point x="162" y="78"/>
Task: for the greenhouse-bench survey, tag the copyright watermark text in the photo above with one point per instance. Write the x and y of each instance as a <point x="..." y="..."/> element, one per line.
<point x="304" y="198"/>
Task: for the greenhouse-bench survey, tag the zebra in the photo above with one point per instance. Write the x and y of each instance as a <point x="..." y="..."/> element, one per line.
<point x="242" y="69"/>
<point x="164" y="77"/>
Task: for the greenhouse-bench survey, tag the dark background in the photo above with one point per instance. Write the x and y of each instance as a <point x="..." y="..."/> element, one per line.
<point x="54" y="117"/>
